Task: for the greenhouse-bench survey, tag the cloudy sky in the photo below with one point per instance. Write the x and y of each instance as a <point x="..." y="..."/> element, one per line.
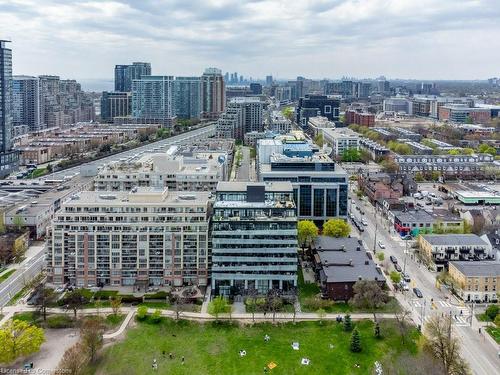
<point x="423" y="39"/>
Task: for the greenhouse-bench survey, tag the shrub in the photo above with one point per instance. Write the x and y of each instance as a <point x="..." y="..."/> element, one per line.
<point x="492" y="312"/>
<point x="316" y="303"/>
<point x="155" y="318"/>
<point x="142" y="313"/>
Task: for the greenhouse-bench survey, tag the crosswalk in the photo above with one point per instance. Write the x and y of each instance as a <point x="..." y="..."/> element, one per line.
<point x="460" y="316"/>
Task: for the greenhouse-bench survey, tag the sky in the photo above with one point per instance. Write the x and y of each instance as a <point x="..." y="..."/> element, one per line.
<point x="421" y="39"/>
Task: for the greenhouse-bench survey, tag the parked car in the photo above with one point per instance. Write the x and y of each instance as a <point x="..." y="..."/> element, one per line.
<point x="418" y="293"/>
<point x="406" y="277"/>
<point x="393" y="259"/>
<point x="398" y="267"/>
<point x="364" y="222"/>
<point x="381" y="245"/>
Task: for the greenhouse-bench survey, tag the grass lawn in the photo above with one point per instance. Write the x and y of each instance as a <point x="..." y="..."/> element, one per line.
<point x="5" y="275"/>
<point x="212" y="348"/>
<point x="494" y="332"/>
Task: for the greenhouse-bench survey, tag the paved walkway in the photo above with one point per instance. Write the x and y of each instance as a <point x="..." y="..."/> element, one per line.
<point x="126" y="321"/>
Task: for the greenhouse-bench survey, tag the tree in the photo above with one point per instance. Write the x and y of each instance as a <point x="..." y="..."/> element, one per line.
<point x="421" y="363"/>
<point x="178" y="303"/>
<point x="487" y="149"/>
<point x="18" y="251"/>
<point x="319" y="139"/>
<point x="491" y="312"/>
<point x="156" y="316"/>
<point x="46" y="297"/>
<point x="74" y="360"/>
<point x="351" y="155"/>
<point x="402" y="320"/>
<point x="365" y="156"/>
<point x="273" y="302"/>
<point x="142" y="313"/>
<point x="389" y="165"/>
<point x="116" y="304"/>
<point x="75" y="300"/>
<point x="369" y="295"/>
<point x="355" y="341"/>
<point x="321" y="315"/>
<point x="307" y="232"/>
<point x="347" y="323"/>
<point x="91" y="332"/>
<point x="105" y="148"/>
<point x="19" y="338"/>
<point x="336" y="228"/>
<point x="288" y="112"/>
<point x="377" y="331"/>
<point x="218" y="306"/>
<point x="380" y="256"/>
<point x="18" y="222"/>
<point x="444" y="346"/>
<point x="49" y="168"/>
<point x="251" y="302"/>
<point x="395" y="277"/>
<point x="419" y="177"/>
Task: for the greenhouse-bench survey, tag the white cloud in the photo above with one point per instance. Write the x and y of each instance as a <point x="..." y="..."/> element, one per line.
<point x="315" y="38"/>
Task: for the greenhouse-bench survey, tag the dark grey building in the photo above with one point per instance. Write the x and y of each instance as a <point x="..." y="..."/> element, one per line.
<point x="125" y="74"/>
<point x="115" y="104"/>
<point x="9" y="158"/>
<point x="256" y="88"/>
<point x="187" y="97"/>
<point x="26" y="102"/>
<point x="317" y="105"/>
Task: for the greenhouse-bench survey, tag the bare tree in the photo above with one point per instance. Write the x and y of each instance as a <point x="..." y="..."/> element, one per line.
<point x="91" y="332"/>
<point x="251" y="302"/>
<point x="369" y="295"/>
<point x="177" y="304"/>
<point x="273" y="302"/>
<point x="116" y="304"/>
<point x="421" y="364"/>
<point x="402" y="319"/>
<point x="444" y="346"/>
<point x="74" y="360"/>
<point x="45" y="298"/>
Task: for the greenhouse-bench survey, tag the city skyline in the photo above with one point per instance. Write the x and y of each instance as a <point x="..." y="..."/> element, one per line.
<point x="322" y="39"/>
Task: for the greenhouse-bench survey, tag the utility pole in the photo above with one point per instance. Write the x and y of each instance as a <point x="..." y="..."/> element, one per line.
<point x="449" y="328"/>
<point x="472" y="313"/>
<point x="376" y="228"/>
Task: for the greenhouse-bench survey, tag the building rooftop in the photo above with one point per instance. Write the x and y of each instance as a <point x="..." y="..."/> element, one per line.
<point x="234" y="186"/>
<point x="479" y="268"/>
<point x="414" y="216"/>
<point x="454" y="239"/>
<point x="345" y="260"/>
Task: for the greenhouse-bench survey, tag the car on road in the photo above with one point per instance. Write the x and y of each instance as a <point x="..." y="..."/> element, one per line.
<point x="364" y="222"/>
<point x="418" y="293"/>
<point x="397" y="267"/>
<point x="393" y="259"/>
<point x="381" y="245"/>
<point x="404" y="286"/>
<point x="406" y="277"/>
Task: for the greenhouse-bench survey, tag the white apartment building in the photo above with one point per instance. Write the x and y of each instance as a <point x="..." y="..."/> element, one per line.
<point x="280" y="124"/>
<point x="183" y="173"/>
<point x="341" y="139"/>
<point x="138" y="238"/>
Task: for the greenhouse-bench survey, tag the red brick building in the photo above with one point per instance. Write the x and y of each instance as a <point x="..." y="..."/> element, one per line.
<point x="359" y="118"/>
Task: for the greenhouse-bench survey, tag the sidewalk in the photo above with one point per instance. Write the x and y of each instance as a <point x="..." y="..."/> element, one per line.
<point x="32" y="250"/>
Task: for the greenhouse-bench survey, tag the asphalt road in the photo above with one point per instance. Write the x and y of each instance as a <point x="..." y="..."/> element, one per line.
<point x="243" y="172"/>
<point x="480" y="354"/>
<point x="26" y="271"/>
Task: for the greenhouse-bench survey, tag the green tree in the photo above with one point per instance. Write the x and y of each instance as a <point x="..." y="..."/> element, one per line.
<point x="468" y="151"/>
<point x="389" y="165"/>
<point x="380" y="256"/>
<point x="369" y="295"/>
<point x="487" y="149"/>
<point x="217" y="306"/>
<point x="288" y="112"/>
<point x="454" y="151"/>
<point x="156" y="316"/>
<point x="49" y="168"/>
<point x="365" y="156"/>
<point x="319" y="139"/>
<point x="18" y="222"/>
<point x="355" y="341"/>
<point x="336" y="228"/>
<point x="497" y="320"/>
<point x="307" y="232"/>
<point x="419" y="177"/>
<point x="347" y="323"/>
<point x="468" y="120"/>
<point x="351" y="155"/>
<point x="142" y="313"/>
<point x="491" y="312"/>
<point x="19" y="338"/>
<point x="116" y="304"/>
<point x="251" y="306"/>
<point x="395" y="277"/>
<point x="91" y="332"/>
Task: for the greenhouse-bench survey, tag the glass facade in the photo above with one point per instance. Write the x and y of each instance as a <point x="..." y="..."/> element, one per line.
<point x="305" y="200"/>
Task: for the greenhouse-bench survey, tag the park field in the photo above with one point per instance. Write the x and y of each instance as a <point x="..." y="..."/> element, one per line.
<point x="212" y="348"/>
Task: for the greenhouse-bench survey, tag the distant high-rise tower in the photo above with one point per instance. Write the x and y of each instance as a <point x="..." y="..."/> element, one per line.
<point x="213" y="93"/>
<point x="9" y="158"/>
<point x="115" y="104"/>
<point x="269" y="80"/>
<point x="26" y="102"/>
<point x="152" y="99"/>
<point x="125" y="74"/>
<point x="187" y="97"/>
